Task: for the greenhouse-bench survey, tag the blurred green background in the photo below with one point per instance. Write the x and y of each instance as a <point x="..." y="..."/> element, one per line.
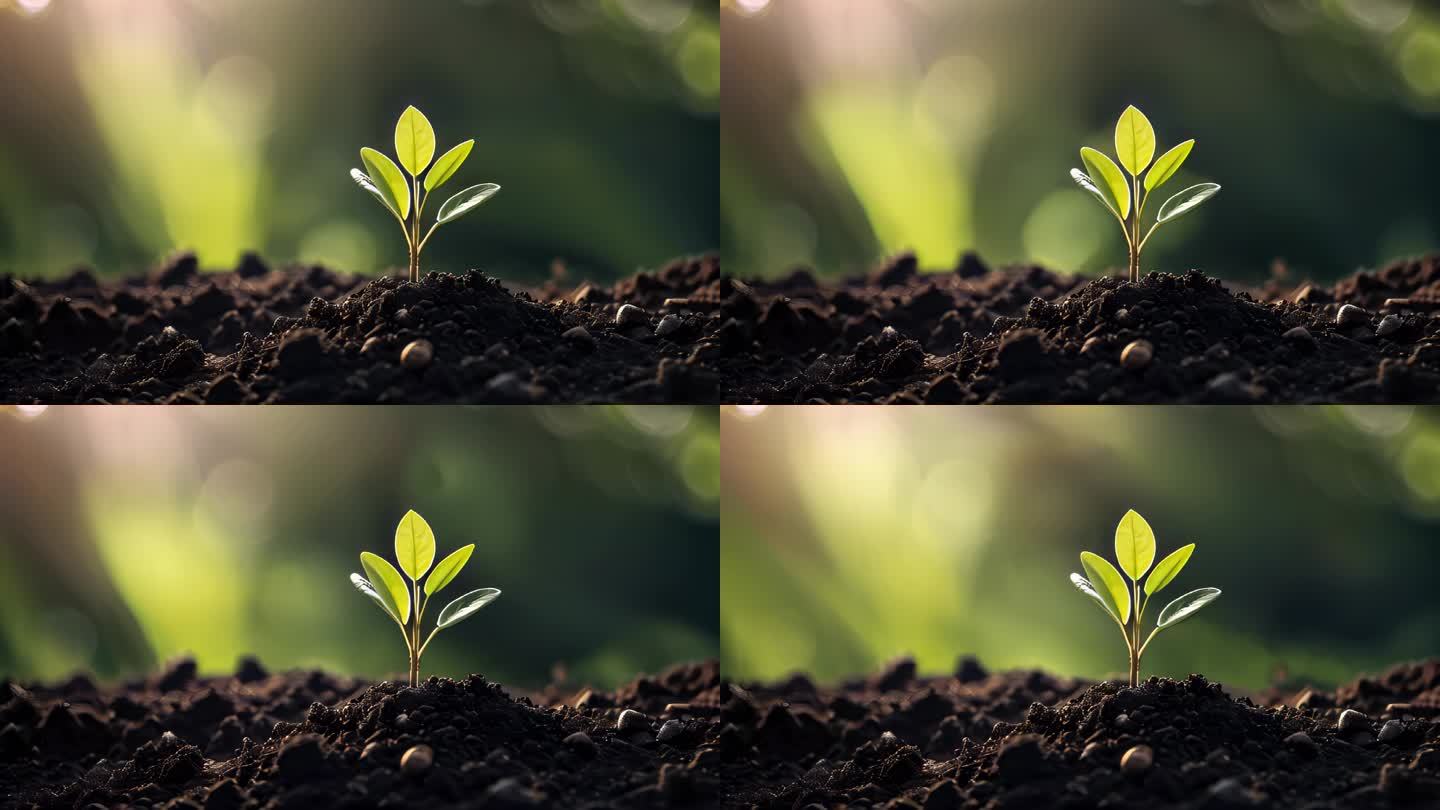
<point x="132" y="535"/>
<point x="850" y="535"/>
<point x="132" y="127"/>
<point x="853" y="128"/>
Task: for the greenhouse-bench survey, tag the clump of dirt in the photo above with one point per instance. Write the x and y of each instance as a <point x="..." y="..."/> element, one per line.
<point x="309" y="739"/>
<point x="1025" y="334"/>
<point x="308" y="334"/>
<point x="1014" y="740"/>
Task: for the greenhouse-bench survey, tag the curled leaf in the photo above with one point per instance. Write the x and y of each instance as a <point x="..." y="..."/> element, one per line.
<point x="462" y="608"/>
<point x="1134" y="140"/>
<point x="447" y="164"/>
<point x="414" y="141"/>
<point x="1168" y="568"/>
<point x="1107" y="582"/>
<point x="387" y="584"/>
<point x="1083" y="585"/>
<point x="1167" y="164"/>
<point x="363" y="181"/>
<point x="388" y="180"/>
<point x="1134" y="545"/>
<point x="363" y="586"/>
<point x="1109" y="177"/>
<point x="446" y="569"/>
<point x="1186" y="606"/>
<point x="462" y="202"/>
<point x="1084" y="181"/>
<point x="414" y="545"/>
<point x="1186" y="201"/>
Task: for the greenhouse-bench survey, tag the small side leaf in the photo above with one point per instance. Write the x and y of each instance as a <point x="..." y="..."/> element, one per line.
<point x="1109" y="177"/>
<point x="387" y="179"/>
<point x="447" y="568"/>
<point x="1134" y="545"/>
<point x="1108" y="583"/>
<point x="363" y="586"/>
<point x="1134" y="140"/>
<point x="1186" y="201"/>
<point x="388" y="584"/>
<point x="447" y="164"/>
<point x="457" y="206"/>
<point x="1167" y="569"/>
<point x="1083" y="585"/>
<point x="462" y="608"/>
<point x="1186" y="606"/>
<point x="414" y="141"/>
<point x="1167" y="164"/>
<point x="363" y="181"/>
<point x="414" y="545"/>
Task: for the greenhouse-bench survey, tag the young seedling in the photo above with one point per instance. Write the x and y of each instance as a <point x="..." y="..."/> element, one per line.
<point x="415" y="146"/>
<point x="1135" y="146"/>
<point x="1135" y="549"/>
<point x="415" y="550"/>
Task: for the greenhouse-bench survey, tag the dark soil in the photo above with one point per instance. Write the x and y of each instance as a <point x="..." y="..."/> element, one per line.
<point x="1011" y="740"/>
<point x="1025" y="334"/>
<point x="308" y="739"/>
<point x="308" y="334"/>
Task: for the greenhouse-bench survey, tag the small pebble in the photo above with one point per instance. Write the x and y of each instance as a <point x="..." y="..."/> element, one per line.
<point x="631" y="720"/>
<point x="1302" y="742"/>
<point x="1137" y="355"/>
<point x="578" y="333"/>
<point x="371" y="344"/>
<point x="1299" y="333"/>
<point x="1137" y="760"/>
<point x="1092" y="750"/>
<point x="1091" y="345"/>
<point x="1351" y="315"/>
<point x="581" y="742"/>
<point x="1351" y="720"/>
<point x="417" y="355"/>
<point x="672" y="730"/>
<point x="669" y="325"/>
<point x="417" y="760"/>
<point x="1389" y="325"/>
<point x="1391" y="731"/>
<point x="371" y="750"/>
<point x="1230" y="791"/>
<point x="629" y="315"/>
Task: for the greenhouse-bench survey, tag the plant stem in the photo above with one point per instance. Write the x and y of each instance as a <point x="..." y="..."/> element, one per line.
<point x="1135" y="638"/>
<point x="1135" y="230"/>
<point x="415" y="638"/>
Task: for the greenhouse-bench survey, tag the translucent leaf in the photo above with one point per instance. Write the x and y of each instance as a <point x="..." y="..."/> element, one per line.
<point x="1109" y="178"/>
<point x="363" y="585"/>
<point x="414" y="141"/>
<point x="1186" y="201"/>
<point x="1134" y="140"/>
<point x="387" y="584"/>
<point x="1167" y="164"/>
<point x="1186" y="606"/>
<point x="1083" y="585"/>
<point x="388" y="180"/>
<point x="447" y="568"/>
<point x="1168" y="568"/>
<point x="1107" y="582"/>
<point x="462" y="608"/>
<point x="414" y="545"/>
<point x="1134" y="545"/>
<point x="456" y="206"/>
<point x="446" y="166"/>
<point x="363" y="180"/>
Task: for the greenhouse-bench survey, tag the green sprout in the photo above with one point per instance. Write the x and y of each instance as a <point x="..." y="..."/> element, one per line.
<point x="415" y="146"/>
<point x="1135" y="549"/>
<point x="415" y="550"/>
<point x="1135" y="146"/>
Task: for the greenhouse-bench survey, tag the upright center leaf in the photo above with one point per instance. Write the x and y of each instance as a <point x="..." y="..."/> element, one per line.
<point x="1134" y="545"/>
<point x="1134" y="141"/>
<point x="414" y="545"/>
<point x="414" y="141"/>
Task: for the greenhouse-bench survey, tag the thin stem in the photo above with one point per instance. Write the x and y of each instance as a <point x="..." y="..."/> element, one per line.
<point x="427" y="639"/>
<point x="1135" y="230"/>
<point x="427" y="235"/>
<point x="1135" y="643"/>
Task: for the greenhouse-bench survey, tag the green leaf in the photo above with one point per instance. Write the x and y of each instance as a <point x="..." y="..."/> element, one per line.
<point x="1134" y="545"/>
<point x="1134" y="140"/>
<point x="363" y="181"/>
<point x="1108" y="584"/>
<point x="1167" y="164"/>
<point x="1103" y="169"/>
<point x="447" y="165"/>
<point x="1084" y="181"/>
<point x="414" y="141"/>
<point x="1186" y="201"/>
<point x="1167" y="569"/>
<point x="414" y="545"/>
<point x="462" y="608"/>
<point x="457" y="206"/>
<point x="388" y="180"/>
<point x="1186" y="606"/>
<point x="363" y="585"/>
<point x="1083" y="585"/>
<point x="387" y="584"/>
<point x="447" y="569"/>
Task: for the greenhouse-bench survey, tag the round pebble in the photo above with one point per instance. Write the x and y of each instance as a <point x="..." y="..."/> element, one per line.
<point x="631" y="720"/>
<point x="1351" y="720"/>
<point x="1389" y="325"/>
<point x="1092" y="344"/>
<point x="1137" y="355"/>
<point x="1351" y="315"/>
<point x="629" y="315"/>
<point x="1137" y="760"/>
<point x="1301" y="741"/>
<point x="1299" y="333"/>
<point x="670" y="731"/>
<point x="417" y="760"/>
<point x="669" y="325"/>
<point x="578" y="333"/>
<point x="1391" y="731"/>
<point x="417" y="354"/>
<point x="580" y="741"/>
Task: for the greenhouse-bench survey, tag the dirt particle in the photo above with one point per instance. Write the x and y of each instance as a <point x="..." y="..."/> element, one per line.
<point x="301" y="758"/>
<point x="629" y="315"/>
<point x="1231" y="792"/>
<point x="417" y="355"/>
<point x="1299" y="334"/>
<point x="1389" y="325"/>
<point x="1352" y="721"/>
<point x="417" y="760"/>
<point x="669" y="325"/>
<point x="632" y="721"/>
<point x="1137" y="355"/>
<point x="1137" y="760"/>
<point x="578" y="334"/>
<point x="581" y="743"/>
<point x="1351" y="315"/>
<point x="1391" y="731"/>
<point x="1302" y="742"/>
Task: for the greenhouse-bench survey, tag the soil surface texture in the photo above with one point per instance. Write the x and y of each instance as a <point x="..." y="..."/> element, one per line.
<point x="1025" y="334"/>
<point x="1012" y="740"/>
<point x="307" y="334"/>
<point x="309" y="739"/>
